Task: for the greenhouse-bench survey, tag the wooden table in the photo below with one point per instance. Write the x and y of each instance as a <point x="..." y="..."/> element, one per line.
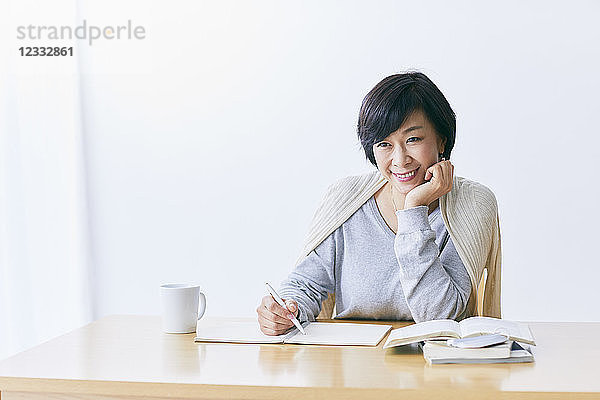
<point x="129" y="357"/>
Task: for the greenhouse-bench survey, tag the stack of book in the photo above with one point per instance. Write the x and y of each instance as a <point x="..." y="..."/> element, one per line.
<point x="473" y="340"/>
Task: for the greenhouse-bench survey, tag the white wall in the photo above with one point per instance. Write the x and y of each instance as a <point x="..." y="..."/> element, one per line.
<point x="45" y="273"/>
<point x="209" y="145"/>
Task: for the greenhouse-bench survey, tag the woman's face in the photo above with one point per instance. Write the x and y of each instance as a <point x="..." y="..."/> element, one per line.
<point x="411" y="149"/>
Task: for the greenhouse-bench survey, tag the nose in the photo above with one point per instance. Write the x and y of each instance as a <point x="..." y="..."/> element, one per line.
<point x="400" y="156"/>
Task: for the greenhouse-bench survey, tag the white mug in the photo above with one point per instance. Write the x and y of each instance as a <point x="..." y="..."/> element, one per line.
<point x="180" y="311"/>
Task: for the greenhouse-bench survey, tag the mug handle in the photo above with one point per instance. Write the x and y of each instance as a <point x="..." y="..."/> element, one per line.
<point x="202" y="305"/>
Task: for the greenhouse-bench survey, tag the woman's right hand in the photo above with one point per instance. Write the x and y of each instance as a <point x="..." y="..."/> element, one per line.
<point x="274" y="319"/>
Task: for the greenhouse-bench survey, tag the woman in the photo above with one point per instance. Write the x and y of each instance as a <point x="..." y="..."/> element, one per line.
<point x="407" y="241"/>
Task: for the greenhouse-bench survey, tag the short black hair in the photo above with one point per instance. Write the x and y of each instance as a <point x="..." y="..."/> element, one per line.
<point x="386" y="107"/>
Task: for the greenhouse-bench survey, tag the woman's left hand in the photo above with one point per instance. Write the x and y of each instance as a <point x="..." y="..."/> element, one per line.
<point x="441" y="176"/>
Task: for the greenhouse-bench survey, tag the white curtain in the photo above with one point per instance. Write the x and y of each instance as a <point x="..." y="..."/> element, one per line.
<point x="45" y="265"/>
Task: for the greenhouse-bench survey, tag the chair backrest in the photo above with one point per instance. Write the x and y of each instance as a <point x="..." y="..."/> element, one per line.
<point x="327" y="307"/>
<point x="481" y="292"/>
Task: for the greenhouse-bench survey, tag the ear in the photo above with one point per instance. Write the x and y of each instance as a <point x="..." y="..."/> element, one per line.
<point x="442" y="145"/>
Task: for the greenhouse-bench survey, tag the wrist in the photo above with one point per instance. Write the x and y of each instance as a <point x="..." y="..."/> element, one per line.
<point x="412" y="220"/>
<point x="413" y="203"/>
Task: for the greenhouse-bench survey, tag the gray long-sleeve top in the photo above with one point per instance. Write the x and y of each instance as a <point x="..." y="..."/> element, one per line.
<point x="415" y="274"/>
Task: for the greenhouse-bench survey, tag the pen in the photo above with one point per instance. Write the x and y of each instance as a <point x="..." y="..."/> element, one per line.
<point x="282" y="304"/>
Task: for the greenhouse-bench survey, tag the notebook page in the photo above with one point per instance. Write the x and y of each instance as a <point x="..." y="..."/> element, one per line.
<point x="474" y="325"/>
<point x="349" y="334"/>
<point x="443" y="327"/>
<point x="236" y="332"/>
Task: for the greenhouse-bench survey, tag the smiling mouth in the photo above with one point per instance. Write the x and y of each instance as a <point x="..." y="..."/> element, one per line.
<point x="407" y="175"/>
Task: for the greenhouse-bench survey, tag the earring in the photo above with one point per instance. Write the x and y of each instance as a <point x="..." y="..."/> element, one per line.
<point x="441" y="155"/>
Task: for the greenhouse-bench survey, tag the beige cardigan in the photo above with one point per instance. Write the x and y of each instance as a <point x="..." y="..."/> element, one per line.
<point x="469" y="211"/>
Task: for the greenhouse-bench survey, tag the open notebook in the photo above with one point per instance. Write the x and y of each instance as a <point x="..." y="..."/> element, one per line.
<point x="328" y="333"/>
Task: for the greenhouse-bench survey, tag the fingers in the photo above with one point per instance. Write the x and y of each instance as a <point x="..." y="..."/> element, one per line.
<point x="275" y="308"/>
<point x="273" y="328"/>
<point x="446" y="173"/>
<point x="434" y="172"/>
<point x="448" y="170"/>
<point x="441" y="174"/>
<point x="429" y="172"/>
<point x="292" y="306"/>
<point x="272" y="318"/>
<point x="439" y="177"/>
<point x="274" y="332"/>
<point x="274" y="311"/>
<point x="276" y="327"/>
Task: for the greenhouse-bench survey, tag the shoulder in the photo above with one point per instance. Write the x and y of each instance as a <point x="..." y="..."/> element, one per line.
<point x="475" y="195"/>
<point x="473" y="188"/>
<point x="354" y="182"/>
<point x="345" y="195"/>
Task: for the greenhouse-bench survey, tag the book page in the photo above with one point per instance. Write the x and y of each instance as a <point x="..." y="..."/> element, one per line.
<point x="435" y="350"/>
<point x="483" y="325"/>
<point x="236" y="332"/>
<point x="342" y="333"/>
<point x="423" y="330"/>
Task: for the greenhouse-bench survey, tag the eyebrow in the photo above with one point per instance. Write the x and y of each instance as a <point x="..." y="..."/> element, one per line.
<point x="412" y="128"/>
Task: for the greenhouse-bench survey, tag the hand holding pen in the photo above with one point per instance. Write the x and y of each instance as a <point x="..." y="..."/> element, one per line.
<point x="274" y="318"/>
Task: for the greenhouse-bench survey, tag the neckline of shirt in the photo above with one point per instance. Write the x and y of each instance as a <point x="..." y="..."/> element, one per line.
<point x="375" y="209"/>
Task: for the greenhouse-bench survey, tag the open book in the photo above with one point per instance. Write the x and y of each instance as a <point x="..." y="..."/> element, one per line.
<point x="327" y="333"/>
<point x="469" y="327"/>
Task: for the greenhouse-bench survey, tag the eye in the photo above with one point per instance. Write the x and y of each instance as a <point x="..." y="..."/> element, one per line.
<point x="381" y="144"/>
<point x="414" y="137"/>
